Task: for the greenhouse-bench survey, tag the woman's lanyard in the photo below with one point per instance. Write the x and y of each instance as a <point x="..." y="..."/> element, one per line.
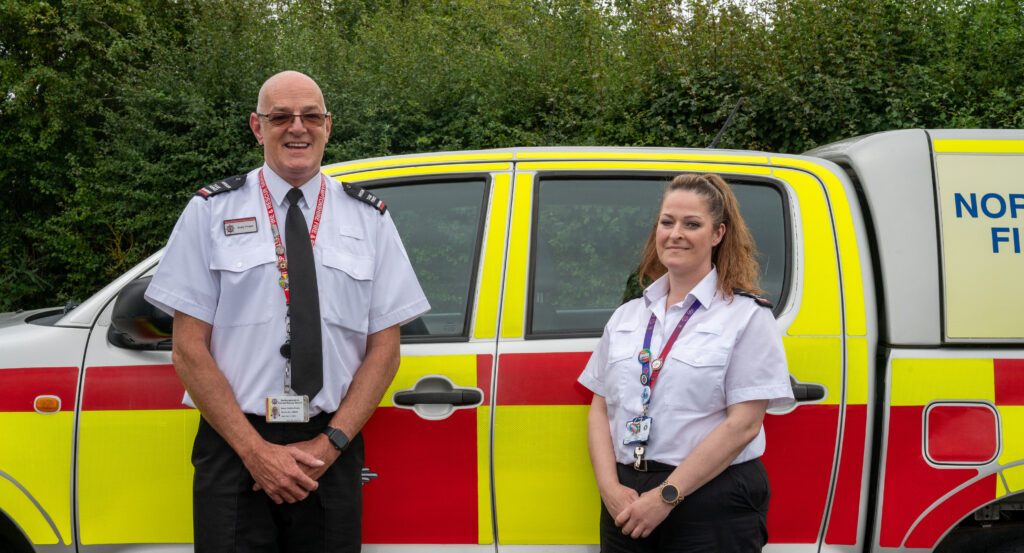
<point x="282" y="266"/>
<point x="649" y="370"/>
<point x="638" y="429"/>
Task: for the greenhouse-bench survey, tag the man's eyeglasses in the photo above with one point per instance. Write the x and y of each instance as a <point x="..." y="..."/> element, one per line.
<point x="309" y="120"/>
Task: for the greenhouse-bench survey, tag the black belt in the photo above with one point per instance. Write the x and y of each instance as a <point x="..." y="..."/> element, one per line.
<point x="649" y="466"/>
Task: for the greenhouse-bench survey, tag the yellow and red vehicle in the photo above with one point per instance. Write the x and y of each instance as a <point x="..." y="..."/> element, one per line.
<point x="894" y="262"/>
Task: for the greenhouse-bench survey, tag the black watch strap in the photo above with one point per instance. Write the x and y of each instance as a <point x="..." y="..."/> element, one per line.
<point x="338" y="438"/>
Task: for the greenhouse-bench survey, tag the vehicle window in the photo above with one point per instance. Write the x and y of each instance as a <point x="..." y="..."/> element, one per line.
<point x="589" y="234"/>
<point x="440" y="224"/>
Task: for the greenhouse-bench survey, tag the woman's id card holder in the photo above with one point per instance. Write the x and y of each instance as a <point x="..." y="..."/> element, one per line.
<point x="288" y="409"/>
<point x="638" y="430"/>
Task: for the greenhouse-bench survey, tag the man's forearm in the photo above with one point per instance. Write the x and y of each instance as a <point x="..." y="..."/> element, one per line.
<point x="370" y="382"/>
<point x="206" y="384"/>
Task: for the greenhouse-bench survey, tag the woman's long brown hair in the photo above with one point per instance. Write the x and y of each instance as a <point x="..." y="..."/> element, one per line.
<point x="733" y="256"/>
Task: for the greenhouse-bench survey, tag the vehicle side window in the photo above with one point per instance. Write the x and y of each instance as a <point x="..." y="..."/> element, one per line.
<point x="441" y="224"/>
<point x="588" y="237"/>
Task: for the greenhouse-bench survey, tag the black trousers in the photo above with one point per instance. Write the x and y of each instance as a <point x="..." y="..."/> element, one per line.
<point x="228" y="516"/>
<point x="729" y="513"/>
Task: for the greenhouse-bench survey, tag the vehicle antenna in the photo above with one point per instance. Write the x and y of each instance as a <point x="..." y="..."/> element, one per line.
<point x="727" y="122"/>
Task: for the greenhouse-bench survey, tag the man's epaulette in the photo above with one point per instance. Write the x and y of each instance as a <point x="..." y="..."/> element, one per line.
<point x="365" y="196"/>
<point x="224" y="185"/>
<point x="757" y="299"/>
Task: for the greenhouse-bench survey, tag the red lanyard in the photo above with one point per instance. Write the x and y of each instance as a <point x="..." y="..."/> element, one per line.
<point x="282" y="261"/>
<point x="648" y="377"/>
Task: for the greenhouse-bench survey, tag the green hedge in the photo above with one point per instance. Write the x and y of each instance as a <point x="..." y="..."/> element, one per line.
<point x="116" y="110"/>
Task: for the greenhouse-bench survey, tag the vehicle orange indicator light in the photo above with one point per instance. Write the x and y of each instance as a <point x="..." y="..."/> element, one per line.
<point x="47" y="404"/>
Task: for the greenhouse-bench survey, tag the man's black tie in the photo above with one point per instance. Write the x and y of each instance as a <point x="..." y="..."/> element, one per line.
<point x="304" y="304"/>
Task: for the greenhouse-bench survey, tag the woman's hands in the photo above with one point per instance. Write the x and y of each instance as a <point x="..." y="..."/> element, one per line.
<point x="618" y="498"/>
<point x="643" y="515"/>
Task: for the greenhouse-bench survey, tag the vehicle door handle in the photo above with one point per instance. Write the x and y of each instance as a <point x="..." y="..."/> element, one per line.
<point x="461" y="397"/>
<point x="806" y="391"/>
<point x="436" y="397"/>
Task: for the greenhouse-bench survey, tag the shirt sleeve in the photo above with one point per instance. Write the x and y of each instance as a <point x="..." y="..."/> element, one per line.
<point x="397" y="296"/>
<point x="593" y="375"/>
<point x="183" y="280"/>
<point x="758" y="368"/>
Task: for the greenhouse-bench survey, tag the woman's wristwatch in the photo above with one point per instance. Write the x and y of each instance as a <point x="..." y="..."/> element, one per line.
<point x="670" y="494"/>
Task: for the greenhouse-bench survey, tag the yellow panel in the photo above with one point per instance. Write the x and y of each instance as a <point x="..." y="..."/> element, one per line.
<point x="983" y="297"/>
<point x="336" y="170"/>
<point x="124" y="501"/>
<point x="817" y="360"/>
<point x="857" y="374"/>
<point x="919" y="381"/>
<point x="546" y="492"/>
<point x="704" y="167"/>
<point x="853" y="283"/>
<point x="494" y="261"/>
<point x="427" y="170"/>
<point x="1011" y="418"/>
<point x="25" y="514"/>
<point x="461" y="369"/>
<point x="1014" y="478"/>
<point x="36" y="453"/>
<point x="720" y="158"/>
<point x="979" y="146"/>
<point x="518" y="244"/>
<point x="819" y="307"/>
<point x="483" y="474"/>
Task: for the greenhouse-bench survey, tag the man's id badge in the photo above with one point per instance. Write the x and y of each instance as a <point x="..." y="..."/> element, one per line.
<point x="288" y="409"/>
<point x="638" y="430"/>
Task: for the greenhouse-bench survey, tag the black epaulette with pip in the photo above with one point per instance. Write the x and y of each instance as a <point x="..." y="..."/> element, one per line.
<point x="224" y="185"/>
<point x="757" y="299"/>
<point x="365" y="196"/>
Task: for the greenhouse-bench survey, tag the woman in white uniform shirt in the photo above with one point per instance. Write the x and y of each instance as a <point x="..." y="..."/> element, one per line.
<point x="675" y="427"/>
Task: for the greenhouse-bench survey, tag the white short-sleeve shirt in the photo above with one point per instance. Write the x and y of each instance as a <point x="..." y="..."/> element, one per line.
<point x="230" y="280"/>
<point x="729" y="352"/>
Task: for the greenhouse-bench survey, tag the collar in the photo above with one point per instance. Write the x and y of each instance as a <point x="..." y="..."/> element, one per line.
<point x="279" y="188"/>
<point x="706" y="291"/>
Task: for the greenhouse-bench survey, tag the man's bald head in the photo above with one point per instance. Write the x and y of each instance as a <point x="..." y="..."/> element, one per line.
<point x="283" y="81"/>
<point x="293" y="147"/>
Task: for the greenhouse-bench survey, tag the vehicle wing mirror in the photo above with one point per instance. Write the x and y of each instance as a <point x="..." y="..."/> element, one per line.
<point x="137" y="324"/>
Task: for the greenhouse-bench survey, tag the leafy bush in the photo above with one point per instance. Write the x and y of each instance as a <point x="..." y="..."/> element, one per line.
<point x="115" y="111"/>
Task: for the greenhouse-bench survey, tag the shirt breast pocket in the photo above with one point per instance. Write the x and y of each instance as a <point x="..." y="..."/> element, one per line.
<point x="622" y="366"/>
<point x="243" y="272"/>
<point x="345" y="289"/>
<point x="695" y="380"/>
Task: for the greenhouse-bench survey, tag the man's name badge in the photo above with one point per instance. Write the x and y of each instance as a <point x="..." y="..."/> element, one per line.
<point x="288" y="409"/>
<point x="638" y="430"/>
<point x="240" y="226"/>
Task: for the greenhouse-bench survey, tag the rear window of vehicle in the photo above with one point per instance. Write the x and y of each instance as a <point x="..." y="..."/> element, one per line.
<point x="588" y="236"/>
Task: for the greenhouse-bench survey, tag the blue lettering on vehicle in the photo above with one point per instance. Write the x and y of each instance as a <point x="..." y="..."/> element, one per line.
<point x="994" y="206"/>
<point x="998" y="235"/>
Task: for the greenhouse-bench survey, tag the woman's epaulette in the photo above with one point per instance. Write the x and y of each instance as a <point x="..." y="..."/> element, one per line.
<point x="365" y="196"/>
<point x="223" y="185"/>
<point x="757" y="299"/>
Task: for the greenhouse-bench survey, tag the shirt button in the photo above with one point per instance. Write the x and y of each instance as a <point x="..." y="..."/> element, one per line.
<point x="238" y="264"/>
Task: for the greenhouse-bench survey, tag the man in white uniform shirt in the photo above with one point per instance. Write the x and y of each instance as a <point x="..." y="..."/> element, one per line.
<point x="285" y="347"/>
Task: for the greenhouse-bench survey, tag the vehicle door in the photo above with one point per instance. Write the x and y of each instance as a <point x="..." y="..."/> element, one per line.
<point x="428" y="445"/>
<point x="579" y="221"/>
<point x="133" y="469"/>
<point x="427" y="473"/>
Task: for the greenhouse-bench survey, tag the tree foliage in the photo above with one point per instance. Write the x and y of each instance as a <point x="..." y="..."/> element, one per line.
<point x="114" y="111"/>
